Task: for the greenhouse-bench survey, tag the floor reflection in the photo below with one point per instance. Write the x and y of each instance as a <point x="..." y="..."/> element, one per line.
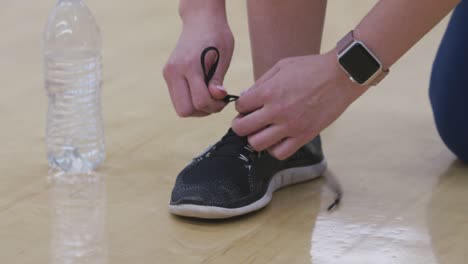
<point x="448" y="215"/>
<point x="370" y="228"/>
<point x="279" y="233"/>
<point x="78" y="213"/>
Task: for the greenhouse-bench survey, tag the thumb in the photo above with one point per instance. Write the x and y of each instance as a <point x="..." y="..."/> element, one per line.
<point x="215" y="86"/>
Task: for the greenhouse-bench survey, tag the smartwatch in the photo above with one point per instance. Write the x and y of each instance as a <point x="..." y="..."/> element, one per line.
<point x="358" y="61"/>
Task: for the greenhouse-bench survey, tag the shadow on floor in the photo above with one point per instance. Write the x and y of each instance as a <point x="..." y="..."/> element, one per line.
<point x="448" y="215"/>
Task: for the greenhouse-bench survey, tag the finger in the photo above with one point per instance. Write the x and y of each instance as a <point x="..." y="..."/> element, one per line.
<point x="254" y="97"/>
<point x="250" y="101"/>
<point x="218" y="92"/>
<point x="266" y="138"/>
<point x="245" y="125"/>
<point x="201" y="97"/>
<point x="285" y="148"/>
<point x="181" y="98"/>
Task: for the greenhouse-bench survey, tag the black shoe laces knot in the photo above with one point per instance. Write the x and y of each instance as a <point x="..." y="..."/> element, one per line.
<point x="211" y="71"/>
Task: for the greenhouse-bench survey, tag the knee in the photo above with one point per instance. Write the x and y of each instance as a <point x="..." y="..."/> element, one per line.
<point x="448" y="99"/>
<point x="454" y="134"/>
<point x="457" y="147"/>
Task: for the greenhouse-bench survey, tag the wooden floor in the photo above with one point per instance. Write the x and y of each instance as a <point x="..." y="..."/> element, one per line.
<point x="405" y="194"/>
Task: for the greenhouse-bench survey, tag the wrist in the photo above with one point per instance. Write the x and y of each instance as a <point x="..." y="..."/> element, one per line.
<point x="337" y="72"/>
<point x="189" y="9"/>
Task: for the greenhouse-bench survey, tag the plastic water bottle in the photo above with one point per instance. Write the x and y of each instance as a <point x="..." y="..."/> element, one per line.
<point x="72" y="71"/>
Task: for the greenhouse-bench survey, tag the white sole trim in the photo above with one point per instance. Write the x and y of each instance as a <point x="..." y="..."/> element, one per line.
<point x="281" y="179"/>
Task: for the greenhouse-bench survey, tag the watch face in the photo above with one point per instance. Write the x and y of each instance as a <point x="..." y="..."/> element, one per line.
<point x="359" y="63"/>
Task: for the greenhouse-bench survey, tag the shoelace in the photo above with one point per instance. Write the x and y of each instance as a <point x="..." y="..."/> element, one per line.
<point x="211" y="71"/>
<point x="334" y="185"/>
<point x="232" y="145"/>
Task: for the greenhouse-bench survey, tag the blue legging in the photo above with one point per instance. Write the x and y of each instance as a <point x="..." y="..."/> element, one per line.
<point x="448" y="90"/>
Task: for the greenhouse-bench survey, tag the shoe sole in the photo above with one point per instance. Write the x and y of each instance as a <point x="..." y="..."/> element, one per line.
<point x="280" y="180"/>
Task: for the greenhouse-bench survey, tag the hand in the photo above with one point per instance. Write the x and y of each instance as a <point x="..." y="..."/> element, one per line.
<point x="183" y="72"/>
<point x="293" y="102"/>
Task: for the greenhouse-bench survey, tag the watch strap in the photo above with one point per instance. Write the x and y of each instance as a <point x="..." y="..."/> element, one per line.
<point x="345" y="42"/>
<point x="379" y="77"/>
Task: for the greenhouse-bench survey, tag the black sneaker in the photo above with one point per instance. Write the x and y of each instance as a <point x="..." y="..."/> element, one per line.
<point x="231" y="179"/>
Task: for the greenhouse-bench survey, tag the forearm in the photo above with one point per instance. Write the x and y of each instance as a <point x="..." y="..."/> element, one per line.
<point x="392" y="27"/>
<point x="189" y="8"/>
